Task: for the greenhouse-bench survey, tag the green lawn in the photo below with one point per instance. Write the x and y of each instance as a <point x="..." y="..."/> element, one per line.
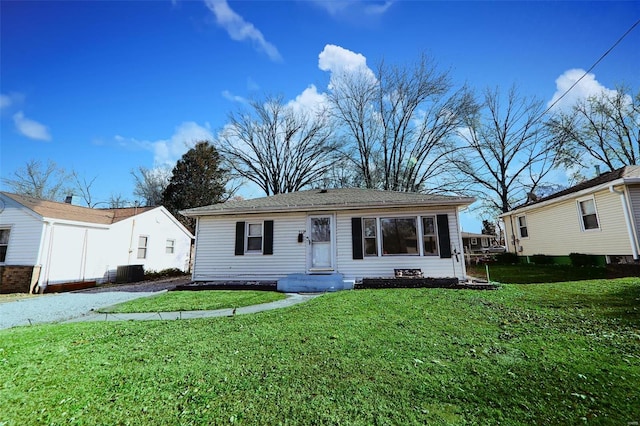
<point x="174" y="301"/>
<point x="546" y="354"/>
<point x="530" y="273"/>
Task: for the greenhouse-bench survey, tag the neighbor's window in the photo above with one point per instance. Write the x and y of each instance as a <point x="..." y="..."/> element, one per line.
<point x="370" y="229"/>
<point x="522" y="227"/>
<point x="171" y="246"/>
<point x="589" y="214"/>
<point x="474" y="241"/>
<point x="254" y="237"/>
<point x="142" y="247"/>
<point x="399" y="235"/>
<point x="429" y="238"/>
<point x="4" y="243"/>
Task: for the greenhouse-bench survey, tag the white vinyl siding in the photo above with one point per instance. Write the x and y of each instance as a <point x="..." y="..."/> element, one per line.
<point x="556" y="229"/>
<point x="26" y="234"/>
<point x="215" y="258"/>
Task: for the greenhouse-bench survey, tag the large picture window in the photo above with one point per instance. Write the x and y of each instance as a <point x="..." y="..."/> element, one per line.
<point x="4" y="243"/>
<point x="399" y="235"/>
<point x="589" y="214"/>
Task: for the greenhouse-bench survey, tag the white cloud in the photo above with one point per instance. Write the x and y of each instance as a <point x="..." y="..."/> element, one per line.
<point x="354" y="7"/>
<point x="167" y="152"/>
<point x="588" y="86"/>
<point x="31" y="128"/>
<point x="239" y="29"/>
<point x="5" y="101"/>
<point x="339" y="61"/>
<point x="309" y="101"/>
<point x="233" y="98"/>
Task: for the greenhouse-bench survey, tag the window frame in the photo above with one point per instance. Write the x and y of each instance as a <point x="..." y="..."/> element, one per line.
<point x="3" y="258"/>
<point x="519" y="226"/>
<point x="249" y="236"/>
<point x="374" y="237"/>
<point x="170" y="245"/>
<point x="582" y="215"/>
<point x="378" y="238"/>
<point x="144" y="247"/>
<point x="424" y="235"/>
<point x="474" y="241"/>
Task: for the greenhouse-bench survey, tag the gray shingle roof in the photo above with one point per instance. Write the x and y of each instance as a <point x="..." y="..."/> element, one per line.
<point x="329" y="199"/>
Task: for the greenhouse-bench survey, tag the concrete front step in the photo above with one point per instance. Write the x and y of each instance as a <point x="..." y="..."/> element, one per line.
<point x="313" y="283"/>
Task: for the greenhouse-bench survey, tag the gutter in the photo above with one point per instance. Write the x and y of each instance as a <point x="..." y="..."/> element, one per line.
<point x="627" y="219"/>
<point x="462" y="202"/>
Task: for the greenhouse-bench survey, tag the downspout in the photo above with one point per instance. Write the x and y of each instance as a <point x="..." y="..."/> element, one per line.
<point x="627" y="219"/>
<point x="133" y="225"/>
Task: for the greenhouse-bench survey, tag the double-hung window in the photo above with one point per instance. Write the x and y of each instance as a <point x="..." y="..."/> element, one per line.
<point x="522" y="227"/>
<point x="429" y="236"/>
<point x="4" y="243"/>
<point x="589" y="214"/>
<point x="370" y="228"/>
<point x="254" y="238"/>
<point x="170" y="247"/>
<point x="142" y="246"/>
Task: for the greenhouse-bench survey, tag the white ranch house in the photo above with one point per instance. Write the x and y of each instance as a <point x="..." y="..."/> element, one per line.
<point x="45" y="242"/>
<point x="347" y="234"/>
<point x="599" y="217"/>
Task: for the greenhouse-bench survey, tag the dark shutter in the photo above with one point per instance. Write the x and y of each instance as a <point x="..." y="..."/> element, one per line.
<point x="268" y="237"/>
<point x="356" y="237"/>
<point x="444" y="241"/>
<point x="239" y="238"/>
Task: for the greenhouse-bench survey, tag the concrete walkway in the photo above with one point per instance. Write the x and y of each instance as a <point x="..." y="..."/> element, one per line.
<point x="292" y="299"/>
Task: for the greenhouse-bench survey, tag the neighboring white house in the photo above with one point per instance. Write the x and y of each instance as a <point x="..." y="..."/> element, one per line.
<point x="598" y="217"/>
<point x="353" y="233"/>
<point x="477" y="243"/>
<point x="61" y="243"/>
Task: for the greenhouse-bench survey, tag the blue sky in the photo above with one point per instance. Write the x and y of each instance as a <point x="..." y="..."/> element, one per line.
<point x="106" y="87"/>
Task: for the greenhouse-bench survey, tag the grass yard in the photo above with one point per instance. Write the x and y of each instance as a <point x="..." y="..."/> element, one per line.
<point x="530" y="273"/>
<point x="174" y="301"/>
<point x="561" y="354"/>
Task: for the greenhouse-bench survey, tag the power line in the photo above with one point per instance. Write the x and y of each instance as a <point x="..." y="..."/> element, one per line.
<point x="587" y="71"/>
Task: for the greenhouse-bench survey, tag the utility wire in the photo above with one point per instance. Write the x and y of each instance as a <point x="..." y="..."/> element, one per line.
<point x="588" y="71"/>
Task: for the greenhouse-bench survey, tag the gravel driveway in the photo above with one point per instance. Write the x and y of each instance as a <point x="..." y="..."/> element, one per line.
<point x="63" y="306"/>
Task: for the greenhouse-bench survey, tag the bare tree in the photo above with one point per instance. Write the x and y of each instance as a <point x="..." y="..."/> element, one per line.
<point x="150" y="184"/>
<point x="84" y="188"/>
<point x="48" y="182"/>
<point x="117" y="201"/>
<point x="602" y="129"/>
<point x="505" y="151"/>
<point x="277" y="147"/>
<point x="400" y="122"/>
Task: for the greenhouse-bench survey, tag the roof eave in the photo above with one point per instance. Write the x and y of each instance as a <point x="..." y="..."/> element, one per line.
<point x="462" y="202"/>
<point x="577" y="194"/>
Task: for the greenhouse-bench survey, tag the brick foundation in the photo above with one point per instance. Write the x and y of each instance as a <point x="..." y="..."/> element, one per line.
<point x="17" y="278"/>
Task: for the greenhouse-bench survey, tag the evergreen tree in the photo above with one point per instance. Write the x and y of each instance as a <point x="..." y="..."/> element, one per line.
<point x="196" y="180"/>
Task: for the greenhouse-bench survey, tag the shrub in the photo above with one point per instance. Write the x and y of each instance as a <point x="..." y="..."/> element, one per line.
<point x="542" y="259"/>
<point x="580" y="259"/>
<point x="165" y="273"/>
<point x="507" y="258"/>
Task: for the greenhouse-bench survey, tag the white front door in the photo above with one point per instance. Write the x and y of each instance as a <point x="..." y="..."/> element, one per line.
<point x="321" y="240"/>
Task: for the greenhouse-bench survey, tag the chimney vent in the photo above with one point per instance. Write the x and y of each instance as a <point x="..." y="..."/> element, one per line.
<point x="69" y="199"/>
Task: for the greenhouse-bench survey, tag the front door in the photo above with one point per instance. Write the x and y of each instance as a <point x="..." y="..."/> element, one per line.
<point x="320" y="243"/>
